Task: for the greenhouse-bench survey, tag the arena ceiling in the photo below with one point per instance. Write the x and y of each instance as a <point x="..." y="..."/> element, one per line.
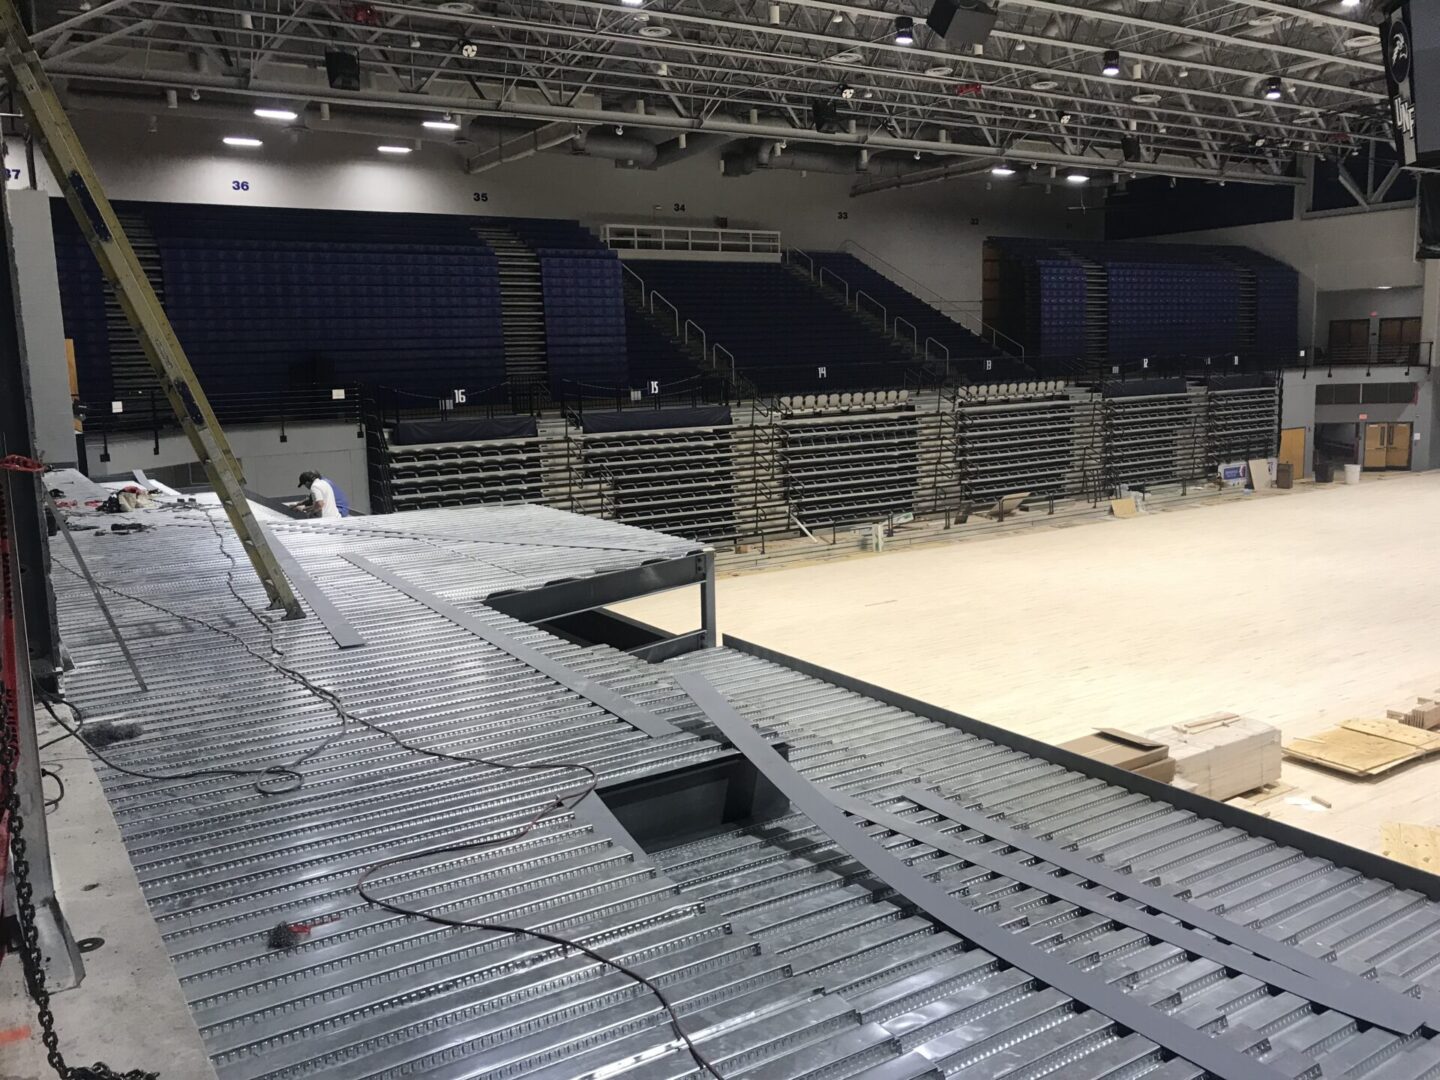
<point x="1195" y="94"/>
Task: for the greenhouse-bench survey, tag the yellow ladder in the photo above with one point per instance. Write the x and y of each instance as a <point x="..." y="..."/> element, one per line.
<point x="73" y="171"/>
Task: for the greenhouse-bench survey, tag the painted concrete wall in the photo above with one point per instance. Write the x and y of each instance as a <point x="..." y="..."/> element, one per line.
<point x="1298" y="408"/>
<point x="1339" y="253"/>
<point x="41" y="325"/>
<point x="271" y="467"/>
<point x="1371" y="304"/>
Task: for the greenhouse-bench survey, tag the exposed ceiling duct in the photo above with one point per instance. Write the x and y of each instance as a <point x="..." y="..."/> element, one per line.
<point x="626" y="149"/>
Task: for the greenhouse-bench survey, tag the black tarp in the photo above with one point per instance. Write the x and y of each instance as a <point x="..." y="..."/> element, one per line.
<point x="655" y="419"/>
<point x="481" y="429"/>
<point x="1144" y="387"/>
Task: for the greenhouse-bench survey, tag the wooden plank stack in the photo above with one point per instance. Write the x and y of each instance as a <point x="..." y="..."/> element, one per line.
<point x="1424" y="714"/>
<point x="1223" y="754"/>
<point x="1365" y="748"/>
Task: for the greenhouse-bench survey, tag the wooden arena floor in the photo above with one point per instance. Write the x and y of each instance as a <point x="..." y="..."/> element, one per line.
<point x="1302" y="609"/>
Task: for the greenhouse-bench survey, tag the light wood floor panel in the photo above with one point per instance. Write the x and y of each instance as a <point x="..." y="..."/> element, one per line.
<point x="1299" y="608"/>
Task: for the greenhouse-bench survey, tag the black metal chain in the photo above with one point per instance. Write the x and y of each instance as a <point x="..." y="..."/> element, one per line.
<point x="31" y="959"/>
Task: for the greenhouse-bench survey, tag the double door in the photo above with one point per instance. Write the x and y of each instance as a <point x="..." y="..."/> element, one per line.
<point x="1387" y="446"/>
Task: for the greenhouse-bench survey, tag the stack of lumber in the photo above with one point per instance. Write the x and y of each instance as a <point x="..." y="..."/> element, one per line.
<point x="1424" y="714"/>
<point x="1365" y="747"/>
<point x="1222" y="755"/>
<point x="1125" y="750"/>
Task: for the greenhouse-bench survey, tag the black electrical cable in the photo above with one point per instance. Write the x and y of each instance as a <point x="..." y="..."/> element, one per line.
<point x="362" y="885"/>
<point x="51" y="804"/>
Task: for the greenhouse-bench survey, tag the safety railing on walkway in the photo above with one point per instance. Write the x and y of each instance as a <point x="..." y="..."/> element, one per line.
<point x="683" y="238"/>
<point x="686" y="331"/>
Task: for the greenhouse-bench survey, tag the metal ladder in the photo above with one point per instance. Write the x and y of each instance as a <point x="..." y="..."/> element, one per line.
<point x="123" y="270"/>
<point x="522" y="304"/>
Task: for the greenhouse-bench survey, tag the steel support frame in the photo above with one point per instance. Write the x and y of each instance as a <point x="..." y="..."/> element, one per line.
<point x="1215" y="1056"/>
<point x="1308" y="843"/>
<point x="36" y="656"/>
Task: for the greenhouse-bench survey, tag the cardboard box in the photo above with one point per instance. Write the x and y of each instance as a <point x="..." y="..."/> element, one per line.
<point x="1162" y="770"/>
<point x="1122" y="749"/>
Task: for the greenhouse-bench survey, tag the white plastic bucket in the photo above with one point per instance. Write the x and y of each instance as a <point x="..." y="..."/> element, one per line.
<point x="1352" y="474"/>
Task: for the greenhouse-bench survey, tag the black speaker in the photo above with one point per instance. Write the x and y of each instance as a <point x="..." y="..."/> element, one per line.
<point x="961" y="23"/>
<point x="342" y="69"/>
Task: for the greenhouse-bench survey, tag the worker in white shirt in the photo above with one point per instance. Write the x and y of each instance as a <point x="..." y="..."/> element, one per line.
<point x="326" y="498"/>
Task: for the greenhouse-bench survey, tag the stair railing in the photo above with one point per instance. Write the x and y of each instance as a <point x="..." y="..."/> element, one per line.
<point x="844" y="285"/>
<point x="861" y="294"/>
<point x="791" y="254"/>
<point x="685" y="329"/>
<point x="952" y="309"/>
<point x="895" y="332"/>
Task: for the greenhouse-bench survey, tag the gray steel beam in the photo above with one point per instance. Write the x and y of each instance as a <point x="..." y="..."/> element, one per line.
<point x="1194" y="1046"/>
<point x="600" y="590"/>
<point x="339" y="628"/>
<point x="1367" y="863"/>
<point x="1270" y="961"/>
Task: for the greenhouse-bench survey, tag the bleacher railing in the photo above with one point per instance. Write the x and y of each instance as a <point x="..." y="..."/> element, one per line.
<point x="685" y="238"/>
<point x="686" y="331"/>
<point x="148" y="413"/>
<point x="960" y="311"/>
<point x="1411" y="354"/>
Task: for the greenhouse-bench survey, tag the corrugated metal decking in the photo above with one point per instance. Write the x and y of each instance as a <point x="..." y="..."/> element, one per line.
<point x="784" y="958"/>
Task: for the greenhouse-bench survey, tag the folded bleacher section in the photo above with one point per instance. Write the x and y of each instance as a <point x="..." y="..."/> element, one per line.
<point x="786" y="335"/>
<point x="964" y="348"/>
<point x="266" y="298"/>
<point x="1160" y="300"/>
<point x="842" y="469"/>
<point x="1028" y="437"/>
<point x="82" y="305"/>
<point x="585" y="330"/>
<point x="1154" y="432"/>
<point x="461" y="463"/>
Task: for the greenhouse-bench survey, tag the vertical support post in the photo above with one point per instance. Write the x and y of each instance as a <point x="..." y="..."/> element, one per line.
<point x="707" y="602"/>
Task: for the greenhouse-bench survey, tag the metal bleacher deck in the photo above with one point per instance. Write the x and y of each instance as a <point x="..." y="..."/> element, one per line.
<point x="1061" y="917"/>
<point x="804" y="461"/>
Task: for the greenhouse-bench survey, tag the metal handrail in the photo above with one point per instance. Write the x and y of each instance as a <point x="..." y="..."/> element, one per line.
<point x="716" y="349"/>
<point x="655" y="295"/>
<point x="626" y="267"/>
<point x="959" y="310"/>
<point x="687" y="238"/>
<point x="704" y="341"/>
<point x="845" y="284"/>
<point x="790" y="253"/>
<point x="884" y="312"/>
<point x="914" y="333"/>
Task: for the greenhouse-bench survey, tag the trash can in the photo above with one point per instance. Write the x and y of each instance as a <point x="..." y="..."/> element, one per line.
<point x="1324" y="472"/>
<point x="1285" y="475"/>
<point x="1352" y="474"/>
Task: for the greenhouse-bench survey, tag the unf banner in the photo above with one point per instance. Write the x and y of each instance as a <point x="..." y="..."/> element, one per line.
<point x="1411" y="43"/>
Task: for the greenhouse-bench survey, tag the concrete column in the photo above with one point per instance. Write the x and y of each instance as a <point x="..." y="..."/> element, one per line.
<point x="42" y="329"/>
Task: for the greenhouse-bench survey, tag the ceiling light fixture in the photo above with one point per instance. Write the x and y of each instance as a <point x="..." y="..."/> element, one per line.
<point x="1077" y="178"/>
<point x="633" y="3"/>
<point x="1274" y="88"/>
<point x="1002" y="169"/>
<point x="277" y="114"/>
<point x="1065" y="118"/>
<point x="440" y="125"/>
<point x="1112" y="63"/>
<point x="241" y="140"/>
<point x="904" y="30"/>
<point x="394" y="149"/>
